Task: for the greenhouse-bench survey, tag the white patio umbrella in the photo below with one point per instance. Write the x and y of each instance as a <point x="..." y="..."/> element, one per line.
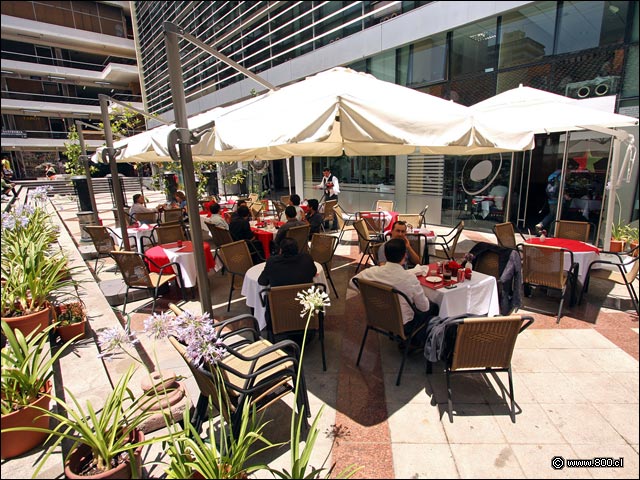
<point x="545" y="112"/>
<point x="343" y="111"/>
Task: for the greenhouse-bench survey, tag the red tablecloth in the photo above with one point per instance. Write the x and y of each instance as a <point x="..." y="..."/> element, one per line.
<point x="265" y="237"/>
<point x="572" y="245"/>
<point x="158" y="255"/>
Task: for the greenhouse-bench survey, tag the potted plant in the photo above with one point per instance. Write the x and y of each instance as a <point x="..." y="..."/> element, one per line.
<point x="632" y="237"/>
<point x="107" y="442"/>
<point x="31" y="267"/>
<point x="26" y="384"/>
<point x="618" y="237"/>
<point x="71" y="318"/>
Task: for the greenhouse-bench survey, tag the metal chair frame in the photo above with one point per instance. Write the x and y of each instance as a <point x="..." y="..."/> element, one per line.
<point x="449" y="241"/>
<point x="322" y="250"/>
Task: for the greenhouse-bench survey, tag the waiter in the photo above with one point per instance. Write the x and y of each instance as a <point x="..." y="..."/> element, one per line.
<point x="329" y="185"/>
<point x="331" y="188"/>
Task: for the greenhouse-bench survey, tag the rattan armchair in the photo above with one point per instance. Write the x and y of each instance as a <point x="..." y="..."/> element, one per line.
<point x="254" y="373"/>
<point x="103" y="242"/>
<point x="384" y="315"/>
<point x="136" y="274"/>
<point x="237" y="260"/>
<point x="386" y="205"/>
<point x="322" y="250"/>
<point x="413" y="220"/>
<point x="169" y="233"/>
<point x="484" y="344"/>
<point x="449" y="241"/>
<point x="220" y="236"/>
<point x="506" y="235"/>
<point x="146" y="217"/>
<point x="626" y="274"/>
<point x="279" y="207"/>
<point x="284" y="309"/>
<point x="545" y="267"/>
<point x="573" y="230"/>
<point x="301" y="235"/>
<point x="376" y="221"/>
<point x="365" y="244"/>
<point x="345" y="222"/>
<point x="170" y="215"/>
<point x="328" y="213"/>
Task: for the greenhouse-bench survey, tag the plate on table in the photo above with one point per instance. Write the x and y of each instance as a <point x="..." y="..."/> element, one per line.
<point x="433" y="279"/>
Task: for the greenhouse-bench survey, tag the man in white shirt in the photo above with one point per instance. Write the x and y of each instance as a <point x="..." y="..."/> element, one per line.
<point x="215" y="218"/>
<point x="138" y="206"/>
<point x="393" y="273"/>
<point x="329" y="185"/>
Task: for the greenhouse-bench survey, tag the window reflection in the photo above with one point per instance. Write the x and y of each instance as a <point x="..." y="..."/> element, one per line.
<point x="473" y="48"/>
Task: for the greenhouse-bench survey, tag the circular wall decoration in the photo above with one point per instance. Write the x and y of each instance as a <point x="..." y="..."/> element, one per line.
<point x="478" y="173"/>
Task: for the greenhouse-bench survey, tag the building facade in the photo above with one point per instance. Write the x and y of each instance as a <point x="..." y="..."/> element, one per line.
<point x="57" y="57"/>
<point x="463" y="51"/>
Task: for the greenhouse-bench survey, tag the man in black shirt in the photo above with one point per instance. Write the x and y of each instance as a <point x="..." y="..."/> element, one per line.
<point x="289" y="267"/>
<point x="313" y="217"/>
<point x="240" y="229"/>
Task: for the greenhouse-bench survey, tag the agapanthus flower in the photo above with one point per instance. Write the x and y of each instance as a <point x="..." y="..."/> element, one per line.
<point x="158" y="325"/>
<point x="113" y="340"/>
<point x="313" y="300"/>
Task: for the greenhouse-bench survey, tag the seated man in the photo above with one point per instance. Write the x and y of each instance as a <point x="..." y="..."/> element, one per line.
<point x="399" y="230"/>
<point x="314" y="218"/>
<point x="215" y="218"/>
<point x="393" y="273"/>
<point x="295" y="202"/>
<point x="288" y="267"/>
<point x="240" y="229"/>
<point x="138" y="206"/>
<point x="292" y="221"/>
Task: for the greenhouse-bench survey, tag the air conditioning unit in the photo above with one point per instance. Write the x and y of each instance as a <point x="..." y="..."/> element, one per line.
<point x="596" y="87"/>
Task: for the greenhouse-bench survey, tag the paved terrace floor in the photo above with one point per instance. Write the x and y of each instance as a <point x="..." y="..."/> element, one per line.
<point x="576" y="386"/>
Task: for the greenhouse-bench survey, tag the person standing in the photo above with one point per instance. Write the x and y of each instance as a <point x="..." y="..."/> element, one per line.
<point x="329" y="185"/>
<point x="552" y="190"/>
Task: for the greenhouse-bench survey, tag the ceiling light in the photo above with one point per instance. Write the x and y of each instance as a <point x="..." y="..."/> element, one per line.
<point x="30" y="111"/>
<point x="103" y="83"/>
<point x="8" y="72"/>
<point x="52" y="77"/>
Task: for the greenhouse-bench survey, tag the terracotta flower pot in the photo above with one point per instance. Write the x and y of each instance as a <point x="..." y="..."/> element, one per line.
<point x="28" y="323"/>
<point x="67" y="332"/>
<point x="81" y="456"/>
<point x="17" y="443"/>
<point x="616" y="245"/>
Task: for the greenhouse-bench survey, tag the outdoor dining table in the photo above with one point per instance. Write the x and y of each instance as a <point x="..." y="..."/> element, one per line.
<point x="265" y="235"/>
<point x="183" y="256"/>
<point x="477" y="296"/>
<point x="251" y="290"/>
<point x="143" y="230"/>
<point x="583" y="253"/>
<point x="389" y="217"/>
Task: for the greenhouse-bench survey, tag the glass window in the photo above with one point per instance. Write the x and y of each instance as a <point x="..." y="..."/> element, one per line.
<point x="383" y="66"/>
<point x="526" y="35"/>
<point x="473" y="48"/>
<point x="634" y="28"/>
<point x="537" y="76"/>
<point x="354" y="170"/>
<point x="473" y="90"/>
<point x="585" y="25"/>
<point x="426" y="61"/>
<point x="589" y="74"/>
<point x="630" y="83"/>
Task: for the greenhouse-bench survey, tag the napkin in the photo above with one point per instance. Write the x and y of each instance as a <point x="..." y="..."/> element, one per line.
<point x="144" y="226"/>
<point x="420" y="270"/>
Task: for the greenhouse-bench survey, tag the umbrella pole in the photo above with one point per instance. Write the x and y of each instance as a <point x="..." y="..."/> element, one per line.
<point x="186" y="160"/>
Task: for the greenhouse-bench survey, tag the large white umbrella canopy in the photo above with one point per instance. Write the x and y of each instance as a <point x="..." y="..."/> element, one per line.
<point x="343" y="111"/>
<point x="545" y="112"/>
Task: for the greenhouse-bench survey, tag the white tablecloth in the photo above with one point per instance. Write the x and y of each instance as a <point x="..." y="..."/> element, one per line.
<point x="251" y="289"/>
<point x="478" y="296"/>
<point x="138" y="233"/>
<point x="583" y="259"/>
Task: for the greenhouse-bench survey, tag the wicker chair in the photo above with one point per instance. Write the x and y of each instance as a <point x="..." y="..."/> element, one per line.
<point x="449" y="241"/>
<point x="280" y="207"/>
<point x="375" y="221"/>
<point x="423" y="216"/>
<point x="237" y="260"/>
<point x="384" y="315"/>
<point x="345" y="221"/>
<point x="413" y="220"/>
<point x="283" y="307"/>
<point x="506" y="235"/>
<point x="301" y="235"/>
<point x="544" y="266"/>
<point x="626" y="274"/>
<point x="169" y="233"/>
<point x="573" y="230"/>
<point x="328" y="213"/>
<point x="221" y="236"/>
<point x="484" y="344"/>
<point x="102" y="238"/>
<point x="256" y="209"/>
<point x="136" y="274"/>
<point x="386" y="205"/>
<point x="322" y="250"/>
<point x="365" y="243"/>
<point x="253" y="374"/>
<point x="170" y="215"/>
<point x="146" y="217"/>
